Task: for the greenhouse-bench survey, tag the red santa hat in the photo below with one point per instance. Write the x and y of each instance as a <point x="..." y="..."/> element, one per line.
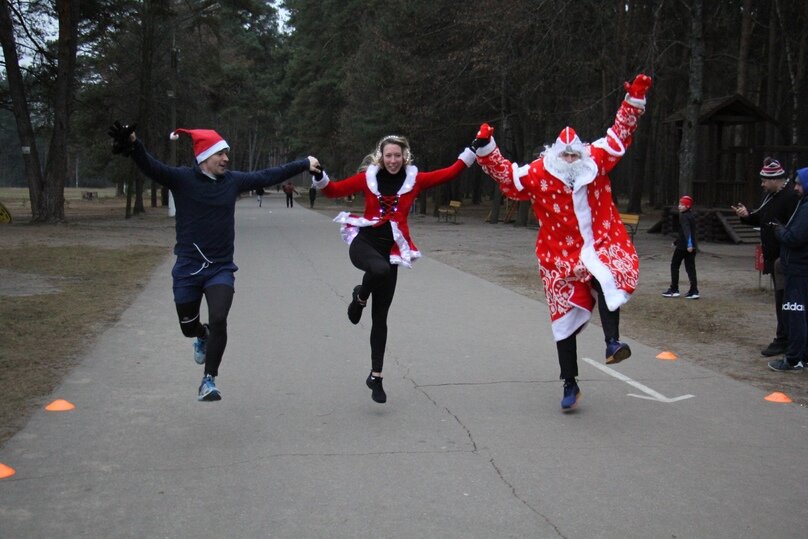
<point x="206" y="142"/>
<point x="772" y="170"/>
<point x="568" y="142"/>
<point x="686" y="201"/>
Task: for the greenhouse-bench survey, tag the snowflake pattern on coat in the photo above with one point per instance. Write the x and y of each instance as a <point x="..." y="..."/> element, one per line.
<point x="581" y="235"/>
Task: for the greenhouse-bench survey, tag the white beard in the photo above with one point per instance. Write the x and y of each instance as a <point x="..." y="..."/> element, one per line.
<point x="580" y="172"/>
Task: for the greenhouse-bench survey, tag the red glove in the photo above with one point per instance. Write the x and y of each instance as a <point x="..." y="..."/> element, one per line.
<point x="485" y="131"/>
<point x="483" y="137"/>
<point x="639" y="87"/>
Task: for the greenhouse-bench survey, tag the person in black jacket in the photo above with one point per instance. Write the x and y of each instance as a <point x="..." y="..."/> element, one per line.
<point x="684" y="249"/>
<point x="778" y="205"/>
<point x="205" y="195"/>
<point x="793" y="239"/>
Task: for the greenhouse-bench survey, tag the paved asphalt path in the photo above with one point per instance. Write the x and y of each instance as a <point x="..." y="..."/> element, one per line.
<point x="471" y="443"/>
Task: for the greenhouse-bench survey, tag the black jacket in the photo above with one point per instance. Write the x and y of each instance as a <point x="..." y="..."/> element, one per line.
<point x="793" y="240"/>
<point x="687" y="231"/>
<point x="776" y="207"/>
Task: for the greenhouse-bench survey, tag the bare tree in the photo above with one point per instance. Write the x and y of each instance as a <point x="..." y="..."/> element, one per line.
<point x="30" y="154"/>
<point x="46" y="190"/>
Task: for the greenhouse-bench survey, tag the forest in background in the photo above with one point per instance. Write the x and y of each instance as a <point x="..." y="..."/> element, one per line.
<point x="281" y="80"/>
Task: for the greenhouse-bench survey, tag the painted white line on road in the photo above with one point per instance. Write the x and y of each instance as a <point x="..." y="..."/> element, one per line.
<point x="650" y="394"/>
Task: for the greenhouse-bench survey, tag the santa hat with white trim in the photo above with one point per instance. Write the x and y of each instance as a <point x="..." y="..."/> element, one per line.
<point x="206" y="142"/>
<point x="568" y="142"/>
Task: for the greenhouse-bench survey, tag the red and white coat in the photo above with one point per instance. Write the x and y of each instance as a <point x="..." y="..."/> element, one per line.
<point x="404" y="250"/>
<point x="581" y="234"/>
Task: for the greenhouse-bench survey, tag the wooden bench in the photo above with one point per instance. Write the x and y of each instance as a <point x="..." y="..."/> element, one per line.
<point x="631" y="222"/>
<point x="89" y="195"/>
<point x="451" y="210"/>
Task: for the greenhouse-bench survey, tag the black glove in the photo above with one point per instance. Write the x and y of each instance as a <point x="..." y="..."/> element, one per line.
<point x="478" y="143"/>
<point x="483" y="137"/>
<point x="120" y="138"/>
<point x="317" y="174"/>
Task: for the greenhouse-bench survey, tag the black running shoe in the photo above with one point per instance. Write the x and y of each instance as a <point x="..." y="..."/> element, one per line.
<point x="775" y="348"/>
<point x="356" y="306"/>
<point x="375" y="385"/>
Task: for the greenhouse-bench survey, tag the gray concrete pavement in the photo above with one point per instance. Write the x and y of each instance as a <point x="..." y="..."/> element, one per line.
<point x="471" y="442"/>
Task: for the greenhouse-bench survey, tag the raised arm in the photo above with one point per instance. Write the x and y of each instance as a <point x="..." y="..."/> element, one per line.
<point x="275" y="175"/>
<point x="608" y="150"/>
<point x="496" y="166"/>
<point x="341" y="188"/>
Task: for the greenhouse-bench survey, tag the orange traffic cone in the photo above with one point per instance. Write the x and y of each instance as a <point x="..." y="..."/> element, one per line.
<point x="670" y="356"/>
<point x="778" y="397"/>
<point x="6" y="471"/>
<point x="60" y="405"/>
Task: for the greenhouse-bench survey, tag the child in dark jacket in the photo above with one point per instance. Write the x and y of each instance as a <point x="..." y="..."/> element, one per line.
<point x="684" y="249"/>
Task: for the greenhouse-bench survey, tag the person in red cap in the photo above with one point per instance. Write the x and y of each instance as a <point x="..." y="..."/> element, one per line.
<point x="684" y="249"/>
<point x="205" y="196"/>
<point x="779" y="202"/>
<point x="583" y="249"/>
<point x="380" y="239"/>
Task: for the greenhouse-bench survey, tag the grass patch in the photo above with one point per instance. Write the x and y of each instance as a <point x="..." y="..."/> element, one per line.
<point x="42" y="335"/>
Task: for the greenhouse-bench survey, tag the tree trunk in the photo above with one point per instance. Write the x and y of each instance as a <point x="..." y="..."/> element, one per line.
<point x="747" y="23"/>
<point x="145" y="102"/>
<point x="25" y="131"/>
<point x="52" y="204"/>
<point x="690" y="127"/>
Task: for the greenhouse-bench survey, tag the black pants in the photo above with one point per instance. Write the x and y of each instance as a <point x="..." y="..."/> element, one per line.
<point x="568" y="348"/>
<point x="219" y="298"/>
<point x="795" y="297"/>
<point x="290" y="201"/>
<point x="690" y="267"/>
<point x="378" y="281"/>
<point x="778" y="282"/>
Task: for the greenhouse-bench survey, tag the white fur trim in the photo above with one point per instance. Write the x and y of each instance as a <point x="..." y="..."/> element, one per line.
<point x="320" y="184"/>
<point x="406" y="187"/>
<point x="604" y="144"/>
<point x="615" y="297"/>
<point x="407" y="255"/>
<point x="219" y="146"/>
<point x="517" y="173"/>
<point x="487" y="149"/>
<point x="409" y="181"/>
<point x="576" y="318"/>
<point x="635" y="102"/>
<point x="173" y="136"/>
<point x="468" y="156"/>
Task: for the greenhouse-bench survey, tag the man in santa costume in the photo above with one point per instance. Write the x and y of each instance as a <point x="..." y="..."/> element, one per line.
<point x="205" y="195"/>
<point x="583" y="249"/>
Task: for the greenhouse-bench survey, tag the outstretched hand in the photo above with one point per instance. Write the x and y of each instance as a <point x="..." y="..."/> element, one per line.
<point x="483" y="137"/>
<point x="639" y="87"/>
<point x="123" y="137"/>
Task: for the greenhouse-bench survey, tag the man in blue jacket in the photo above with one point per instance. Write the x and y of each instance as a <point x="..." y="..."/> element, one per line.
<point x="205" y="196"/>
<point x="793" y="238"/>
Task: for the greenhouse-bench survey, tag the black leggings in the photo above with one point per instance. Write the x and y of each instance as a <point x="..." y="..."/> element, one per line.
<point x="219" y="298"/>
<point x="380" y="282"/>
<point x="568" y="348"/>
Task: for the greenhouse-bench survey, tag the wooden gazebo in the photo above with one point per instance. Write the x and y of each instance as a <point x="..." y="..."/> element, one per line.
<point x="730" y="152"/>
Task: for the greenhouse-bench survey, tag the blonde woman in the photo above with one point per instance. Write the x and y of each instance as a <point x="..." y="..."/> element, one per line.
<point x="380" y="239"/>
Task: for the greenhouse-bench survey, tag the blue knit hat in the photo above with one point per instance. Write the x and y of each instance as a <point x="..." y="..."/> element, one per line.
<point x="802" y="177"/>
